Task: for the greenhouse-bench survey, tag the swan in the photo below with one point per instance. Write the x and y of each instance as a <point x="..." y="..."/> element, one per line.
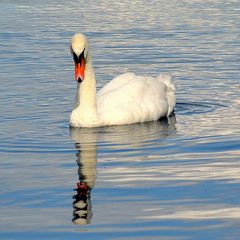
<point x="126" y="99"/>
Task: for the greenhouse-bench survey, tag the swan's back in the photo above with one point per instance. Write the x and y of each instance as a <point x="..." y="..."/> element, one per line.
<point x="130" y="99"/>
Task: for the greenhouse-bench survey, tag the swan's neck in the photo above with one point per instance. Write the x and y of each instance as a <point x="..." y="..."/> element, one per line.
<point x="85" y="111"/>
<point x="86" y="91"/>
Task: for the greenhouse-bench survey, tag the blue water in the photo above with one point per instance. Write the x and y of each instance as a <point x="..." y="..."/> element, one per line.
<point x="173" y="179"/>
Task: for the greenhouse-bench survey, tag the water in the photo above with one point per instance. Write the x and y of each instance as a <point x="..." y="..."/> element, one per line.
<point x="174" y="179"/>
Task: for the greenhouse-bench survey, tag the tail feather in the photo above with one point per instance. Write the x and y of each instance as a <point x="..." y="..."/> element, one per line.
<point x="170" y="90"/>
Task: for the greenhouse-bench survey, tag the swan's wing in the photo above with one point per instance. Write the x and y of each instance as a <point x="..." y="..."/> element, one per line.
<point x="116" y="83"/>
<point x="133" y="99"/>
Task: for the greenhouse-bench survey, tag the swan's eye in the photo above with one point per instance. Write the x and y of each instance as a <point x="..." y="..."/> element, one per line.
<point x="78" y="59"/>
<point x="75" y="57"/>
<point x="81" y="57"/>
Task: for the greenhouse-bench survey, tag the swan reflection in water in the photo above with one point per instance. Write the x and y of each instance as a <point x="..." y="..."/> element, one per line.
<point x="86" y="140"/>
<point x="85" y="143"/>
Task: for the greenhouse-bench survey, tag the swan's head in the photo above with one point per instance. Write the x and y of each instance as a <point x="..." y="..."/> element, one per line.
<point x="79" y="51"/>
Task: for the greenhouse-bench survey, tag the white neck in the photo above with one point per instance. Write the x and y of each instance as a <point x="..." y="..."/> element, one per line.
<point x="85" y="111"/>
<point x="86" y="90"/>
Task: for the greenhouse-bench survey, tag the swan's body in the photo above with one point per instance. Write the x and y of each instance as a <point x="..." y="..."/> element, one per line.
<point x="126" y="99"/>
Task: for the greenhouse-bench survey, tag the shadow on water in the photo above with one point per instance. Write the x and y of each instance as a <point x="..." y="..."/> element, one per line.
<point x="88" y="139"/>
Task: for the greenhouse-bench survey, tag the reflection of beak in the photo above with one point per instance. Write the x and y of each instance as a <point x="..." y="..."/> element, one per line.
<point x="82" y="204"/>
<point x="82" y="188"/>
<point x="79" y="70"/>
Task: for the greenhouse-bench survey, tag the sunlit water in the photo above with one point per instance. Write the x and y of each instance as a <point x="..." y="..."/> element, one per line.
<point x="174" y="179"/>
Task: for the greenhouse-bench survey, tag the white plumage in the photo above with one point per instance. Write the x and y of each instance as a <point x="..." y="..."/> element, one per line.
<point x="126" y="99"/>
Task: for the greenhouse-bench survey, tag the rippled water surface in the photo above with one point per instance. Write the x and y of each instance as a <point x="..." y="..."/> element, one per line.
<point x="178" y="178"/>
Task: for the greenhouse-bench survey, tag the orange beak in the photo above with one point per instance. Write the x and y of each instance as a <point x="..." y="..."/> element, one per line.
<point x="79" y="70"/>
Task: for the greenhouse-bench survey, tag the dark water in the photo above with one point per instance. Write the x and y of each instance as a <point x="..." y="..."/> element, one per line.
<point x="174" y="179"/>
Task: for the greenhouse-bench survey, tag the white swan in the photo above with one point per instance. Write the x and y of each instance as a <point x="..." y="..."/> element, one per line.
<point x="126" y="99"/>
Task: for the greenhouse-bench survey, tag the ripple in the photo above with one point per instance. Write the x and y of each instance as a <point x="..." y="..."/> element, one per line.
<point x="190" y="108"/>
